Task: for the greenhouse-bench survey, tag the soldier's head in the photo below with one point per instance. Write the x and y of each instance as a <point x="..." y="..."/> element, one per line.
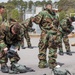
<point x="16" y="28"/>
<point x="2" y="9"/>
<point x="48" y="6"/>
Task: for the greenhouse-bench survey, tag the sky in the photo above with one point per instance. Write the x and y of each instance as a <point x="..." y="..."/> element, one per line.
<point x="27" y="0"/>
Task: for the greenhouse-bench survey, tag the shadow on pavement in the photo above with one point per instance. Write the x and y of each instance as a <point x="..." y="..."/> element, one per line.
<point x="59" y="63"/>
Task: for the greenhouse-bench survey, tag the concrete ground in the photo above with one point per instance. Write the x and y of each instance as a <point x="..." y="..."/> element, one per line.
<point x="29" y="57"/>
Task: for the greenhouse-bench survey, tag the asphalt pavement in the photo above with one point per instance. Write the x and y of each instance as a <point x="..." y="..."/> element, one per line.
<point x="29" y="57"/>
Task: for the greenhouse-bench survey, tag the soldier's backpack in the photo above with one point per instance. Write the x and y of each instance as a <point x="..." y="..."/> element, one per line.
<point x="60" y="71"/>
<point x="18" y="68"/>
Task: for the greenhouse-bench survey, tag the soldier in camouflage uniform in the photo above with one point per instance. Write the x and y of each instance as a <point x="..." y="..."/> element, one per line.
<point x="48" y="37"/>
<point x="2" y="8"/>
<point x="66" y="28"/>
<point x="10" y="40"/>
<point x="27" y="25"/>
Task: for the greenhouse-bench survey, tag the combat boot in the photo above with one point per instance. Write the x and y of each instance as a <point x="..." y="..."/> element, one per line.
<point x="23" y="47"/>
<point x="4" y="68"/>
<point x="61" y="53"/>
<point x="30" y="47"/>
<point x="42" y="64"/>
<point x="68" y="52"/>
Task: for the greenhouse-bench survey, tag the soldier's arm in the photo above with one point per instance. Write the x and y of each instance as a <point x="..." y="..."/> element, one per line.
<point x="2" y="35"/>
<point x="27" y="23"/>
<point x="63" y="24"/>
<point x="65" y="27"/>
<point x="37" y="19"/>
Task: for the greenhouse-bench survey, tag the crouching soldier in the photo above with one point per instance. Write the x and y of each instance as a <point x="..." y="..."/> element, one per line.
<point x="10" y="39"/>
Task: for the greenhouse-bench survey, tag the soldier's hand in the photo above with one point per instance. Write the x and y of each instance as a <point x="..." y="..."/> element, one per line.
<point x="6" y="50"/>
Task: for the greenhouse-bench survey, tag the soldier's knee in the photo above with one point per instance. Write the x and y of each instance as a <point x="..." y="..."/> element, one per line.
<point x="42" y="56"/>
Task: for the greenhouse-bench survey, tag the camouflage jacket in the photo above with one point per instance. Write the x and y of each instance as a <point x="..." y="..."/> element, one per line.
<point x="27" y="24"/>
<point x="0" y="19"/>
<point x="66" y="27"/>
<point x="7" y="38"/>
<point x="45" y="20"/>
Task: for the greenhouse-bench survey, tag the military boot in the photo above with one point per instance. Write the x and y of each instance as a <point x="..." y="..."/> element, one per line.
<point x="23" y="47"/>
<point x="42" y="64"/>
<point x="30" y="47"/>
<point x="68" y="52"/>
<point x="61" y="53"/>
<point x="4" y="68"/>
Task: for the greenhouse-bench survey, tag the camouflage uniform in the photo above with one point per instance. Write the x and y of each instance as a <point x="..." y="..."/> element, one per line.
<point x="2" y="8"/>
<point x="48" y="38"/>
<point x="0" y="19"/>
<point x="7" y="39"/>
<point x="66" y="28"/>
<point x="26" y="25"/>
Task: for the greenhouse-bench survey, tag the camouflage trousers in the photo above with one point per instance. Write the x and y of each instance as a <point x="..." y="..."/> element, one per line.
<point x="12" y="55"/>
<point x="64" y="39"/>
<point x="48" y="40"/>
<point x="27" y="37"/>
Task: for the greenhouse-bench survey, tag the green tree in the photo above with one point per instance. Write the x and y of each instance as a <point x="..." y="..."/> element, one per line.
<point x="66" y="4"/>
<point x="70" y="11"/>
<point x="30" y="4"/>
<point x="15" y="14"/>
<point x="49" y="1"/>
<point x="62" y="15"/>
<point x="38" y="3"/>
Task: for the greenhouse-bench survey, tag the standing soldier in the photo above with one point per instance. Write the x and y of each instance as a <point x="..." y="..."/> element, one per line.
<point x="66" y="26"/>
<point x="27" y="25"/>
<point x="10" y="40"/>
<point x="2" y="8"/>
<point x="48" y="37"/>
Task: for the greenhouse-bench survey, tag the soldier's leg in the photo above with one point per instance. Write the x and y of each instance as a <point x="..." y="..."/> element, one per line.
<point x="60" y="44"/>
<point x="52" y="58"/>
<point x="22" y="43"/>
<point x="67" y="45"/>
<point x="13" y="55"/>
<point x="27" y="37"/>
<point x="60" y="48"/>
<point x="52" y="45"/>
<point x="42" y="51"/>
<point x="14" y="58"/>
<point x="3" y="61"/>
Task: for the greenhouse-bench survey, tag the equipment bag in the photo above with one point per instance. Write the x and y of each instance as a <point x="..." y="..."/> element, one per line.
<point x="18" y="68"/>
<point x="60" y="71"/>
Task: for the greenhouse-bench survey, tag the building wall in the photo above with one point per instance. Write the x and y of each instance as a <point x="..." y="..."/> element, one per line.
<point x="28" y="15"/>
